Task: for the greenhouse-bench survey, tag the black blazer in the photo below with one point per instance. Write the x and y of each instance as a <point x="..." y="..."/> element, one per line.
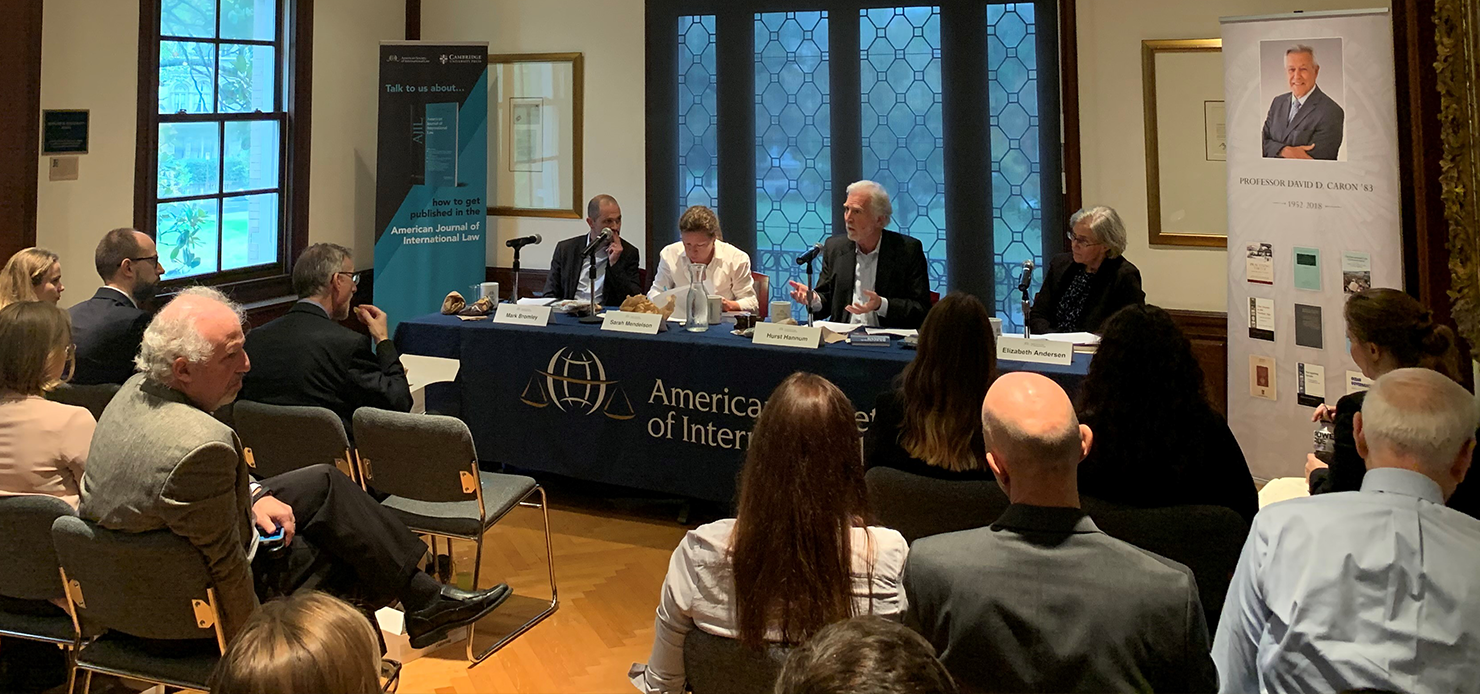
<point x="1319" y="122"/>
<point x="1115" y="285"/>
<point x="565" y="272"/>
<point x="305" y="358"/>
<point x="107" y="330"/>
<point x="902" y="279"/>
<point x="881" y="444"/>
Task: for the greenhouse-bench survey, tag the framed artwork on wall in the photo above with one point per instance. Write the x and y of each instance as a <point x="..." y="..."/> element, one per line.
<point x="535" y="105"/>
<point x="1186" y="177"/>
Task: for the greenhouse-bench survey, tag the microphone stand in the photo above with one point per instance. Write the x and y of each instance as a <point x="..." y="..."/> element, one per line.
<point x="514" y="293"/>
<point x="810" y="292"/>
<point x="592" y="318"/>
<point x="1027" y="308"/>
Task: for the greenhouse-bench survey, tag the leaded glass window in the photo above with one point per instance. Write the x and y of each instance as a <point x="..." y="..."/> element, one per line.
<point x="1017" y="211"/>
<point x="698" y="150"/>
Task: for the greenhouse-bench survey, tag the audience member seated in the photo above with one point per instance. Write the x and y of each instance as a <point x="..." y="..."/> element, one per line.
<point x="1157" y="440"/>
<point x="1372" y="589"/>
<point x="159" y="460"/>
<point x="617" y="275"/>
<point x="1084" y="287"/>
<point x="927" y="425"/>
<point x="310" y="642"/>
<point x="865" y="655"/>
<point x="1042" y="601"/>
<point x="43" y="444"/>
<point x="727" y="268"/>
<point x="32" y="274"/>
<point x="798" y="556"/>
<point x="108" y="327"/>
<point x="307" y="358"/>
<point x="1387" y="330"/>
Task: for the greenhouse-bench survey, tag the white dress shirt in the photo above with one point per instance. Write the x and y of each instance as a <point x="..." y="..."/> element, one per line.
<point x="1372" y="589"/>
<point x="583" y="285"/>
<point x="865" y="277"/>
<point x="728" y="272"/>
<point x="699" y="592"/>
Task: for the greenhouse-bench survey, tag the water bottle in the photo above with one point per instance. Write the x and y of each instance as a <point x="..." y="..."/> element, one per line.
<point x="1325" y="442"/>
<point x="697" y="301"/>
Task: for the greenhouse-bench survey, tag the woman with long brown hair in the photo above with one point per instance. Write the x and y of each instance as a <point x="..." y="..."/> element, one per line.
<point x="1388" y="330"/>
<point x="929" y="423"/>
<point x="32" y="274"/>
<point x="43" y="444"/>
<point x="798" y="556"/>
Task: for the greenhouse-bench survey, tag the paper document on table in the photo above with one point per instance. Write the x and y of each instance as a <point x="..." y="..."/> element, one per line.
<point x="536" y="301"/>
<point x="897" y="332"/>
<point x="1073" y="338"/>
<point x="839" y="328"/>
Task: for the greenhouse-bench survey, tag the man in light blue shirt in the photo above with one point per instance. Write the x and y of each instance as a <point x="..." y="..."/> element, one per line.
<point x="1378" y="588"/>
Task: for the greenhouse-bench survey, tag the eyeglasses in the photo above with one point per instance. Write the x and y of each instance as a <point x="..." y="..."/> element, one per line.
<point x="354" y="277"/>
<point x="149" y="258"/>
<point x="1079" y="241"/>
<point x="390" y="671"/>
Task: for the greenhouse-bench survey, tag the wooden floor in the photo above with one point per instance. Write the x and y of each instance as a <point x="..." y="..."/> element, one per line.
<point x="610" y="558"/>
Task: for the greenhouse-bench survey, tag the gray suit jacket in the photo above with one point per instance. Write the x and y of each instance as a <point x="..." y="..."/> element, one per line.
<point x="1319" y="122"/>
<point x="1042" y="601"/>
<point x="159" y="462"/>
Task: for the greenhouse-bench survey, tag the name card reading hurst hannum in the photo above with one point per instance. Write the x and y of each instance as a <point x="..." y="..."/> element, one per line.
<point x="1034" y="350"/>
<point x="779" y="335"/>
<point x="630" y="322"/>
<point x="512" y="314"/>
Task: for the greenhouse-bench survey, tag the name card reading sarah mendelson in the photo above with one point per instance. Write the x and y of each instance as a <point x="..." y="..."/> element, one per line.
<point x="779" y="335"/>
<point x="630" y="322"/>
<point x="511" y="314"/>
<point x="1034" y="350"/>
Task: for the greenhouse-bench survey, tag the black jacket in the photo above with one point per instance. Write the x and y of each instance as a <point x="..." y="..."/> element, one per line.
<point x="107" y="330"/>
<point x="1115" y="285"/>
<point x="1319" y="122"/>
<point x="902" y="279"/>
<point x="305" y="358"/>
<point x="565" y="272"/>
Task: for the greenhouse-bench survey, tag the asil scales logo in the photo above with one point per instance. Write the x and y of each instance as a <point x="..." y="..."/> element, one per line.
<point x="575" y="381"/>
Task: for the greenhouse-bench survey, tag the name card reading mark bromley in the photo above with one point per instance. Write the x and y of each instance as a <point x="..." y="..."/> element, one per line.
<point x="511" y="314"/>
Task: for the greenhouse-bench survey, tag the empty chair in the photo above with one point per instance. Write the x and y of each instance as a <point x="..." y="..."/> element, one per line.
<point x="140" y="586"/>
<point x="429" y="468"/>
<point x="92" y="398"/>
<point x="29" y="570"/>
<point x="1206" y="539"/>
<point x="717" y="665"/>
<point x="919" y="506"/>
<point x="281" y="438"/>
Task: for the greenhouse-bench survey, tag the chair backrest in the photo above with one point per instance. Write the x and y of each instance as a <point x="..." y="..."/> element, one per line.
<point x="762" y="294"/>
<point x="152" y="585"/>
<point x="919" y="506"/>
<point x="283" y="438"/>
<point x="28" y="559"/>
<point x="418" y="456"/>
<point x="1206" y="539"/>
<point x="717" y="665"/>
<point x="94" y="398"/>
<point x="934" y="298"/>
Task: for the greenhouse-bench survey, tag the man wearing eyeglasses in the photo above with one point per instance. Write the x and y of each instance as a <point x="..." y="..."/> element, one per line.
<point x="1087" y="285"/>
<point x="307" y="358"/>
<point x="108" y="327"/>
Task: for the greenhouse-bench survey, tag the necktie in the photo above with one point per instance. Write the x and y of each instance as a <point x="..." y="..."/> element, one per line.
<point x="1294" y="107"/>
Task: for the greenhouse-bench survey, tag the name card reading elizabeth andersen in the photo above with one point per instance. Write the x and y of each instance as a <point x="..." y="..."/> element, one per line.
<point x="512" y="314"/>
<point x="631" y="322"/>
<point x="1034" y="350"/>
<point x="779" y="335"/>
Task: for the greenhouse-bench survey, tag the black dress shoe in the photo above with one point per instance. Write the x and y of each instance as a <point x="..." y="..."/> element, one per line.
<point x="452" y="609"/>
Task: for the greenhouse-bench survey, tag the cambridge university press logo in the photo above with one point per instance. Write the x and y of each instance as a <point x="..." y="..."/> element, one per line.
<point x="575" y="381"/>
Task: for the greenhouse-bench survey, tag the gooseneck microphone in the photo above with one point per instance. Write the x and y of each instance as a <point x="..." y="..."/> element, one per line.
<point x="811" y="253"/>
<point x="523" y="241"/>
<point x="602" y="239"/>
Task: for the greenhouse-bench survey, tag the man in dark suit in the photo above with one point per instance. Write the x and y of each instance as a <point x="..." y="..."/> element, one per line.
<point x="307" y="358"/>
<point x="871" y="276"/>
<point x="108" y="327"/>
<point x="1303" y="123"/>
<point x="616" y="264"/>
<point x="1042" y="601"/>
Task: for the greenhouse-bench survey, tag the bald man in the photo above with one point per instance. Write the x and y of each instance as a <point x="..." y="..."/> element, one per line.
<point x="1042" y="601"/>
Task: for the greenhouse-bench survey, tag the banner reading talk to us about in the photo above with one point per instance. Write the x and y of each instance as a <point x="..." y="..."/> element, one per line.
<point x="431" y="175"/>
<point x="1312" y="191"/>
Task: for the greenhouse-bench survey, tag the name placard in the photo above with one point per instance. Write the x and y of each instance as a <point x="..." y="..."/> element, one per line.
<point x="1035" y="350"/>
<point x="788" y="335"/>
<point x="630" y="322"/>
<point x="522" y="315"/>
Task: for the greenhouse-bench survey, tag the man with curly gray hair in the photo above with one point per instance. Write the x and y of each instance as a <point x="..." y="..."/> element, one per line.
<point x="160" y="461"/>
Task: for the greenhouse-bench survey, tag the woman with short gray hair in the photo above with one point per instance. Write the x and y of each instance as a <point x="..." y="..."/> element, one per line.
<point x="1087" y="285"/>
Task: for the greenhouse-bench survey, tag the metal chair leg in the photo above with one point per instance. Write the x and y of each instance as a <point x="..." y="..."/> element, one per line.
<point x="477" y="559"/>
<point x="87" y="682"/>
<point x="475" y="658"/>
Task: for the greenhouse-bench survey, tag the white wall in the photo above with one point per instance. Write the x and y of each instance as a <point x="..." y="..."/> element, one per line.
<point x="610" y="34"/>
<point x="1111" y="127"/>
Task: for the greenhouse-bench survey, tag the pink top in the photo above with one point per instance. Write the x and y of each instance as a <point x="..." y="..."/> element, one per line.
<point x="43" y="446"/>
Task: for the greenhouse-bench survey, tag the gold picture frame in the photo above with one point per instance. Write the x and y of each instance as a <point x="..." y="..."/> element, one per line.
<point x="1201" y="165"/>
<point x="1457" y="33"/>
<point x="536" y="107"/>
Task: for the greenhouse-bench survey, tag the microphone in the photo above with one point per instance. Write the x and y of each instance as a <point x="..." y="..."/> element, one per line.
<point x="811" y="254"/>
<point x="523" y="241"/>
<point x="1027" y="280"/>
<point x="602" y="239"/>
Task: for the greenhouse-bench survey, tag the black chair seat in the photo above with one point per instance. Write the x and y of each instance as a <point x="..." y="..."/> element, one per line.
<point x="919" y="506"/>
<point x="56" y="628"/>
<point x="717" y="665"/>
<point x="500" y="494"/>
<point x="121" y="654"/>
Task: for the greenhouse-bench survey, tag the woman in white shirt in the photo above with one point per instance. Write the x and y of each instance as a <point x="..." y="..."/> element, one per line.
<point x="702" y="242"/>
<point x="798" y="556"/>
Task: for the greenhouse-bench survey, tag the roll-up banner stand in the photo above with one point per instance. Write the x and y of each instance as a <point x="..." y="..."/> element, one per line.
<point x="1312" y="215"/>
<point x="431" y="175"/>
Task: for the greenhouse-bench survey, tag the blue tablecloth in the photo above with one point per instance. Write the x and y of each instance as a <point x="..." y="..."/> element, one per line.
<point x="670" y="412"/>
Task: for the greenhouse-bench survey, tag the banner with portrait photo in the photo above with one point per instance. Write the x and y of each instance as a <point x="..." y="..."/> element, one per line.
<point x="1313" y="188"/>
